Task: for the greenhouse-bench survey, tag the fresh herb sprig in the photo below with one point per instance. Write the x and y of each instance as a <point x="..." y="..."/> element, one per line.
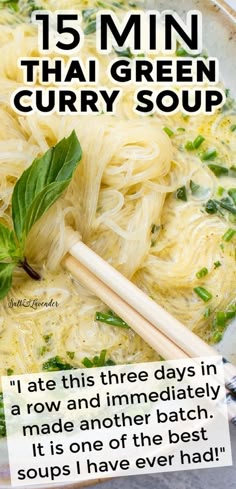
<point x="35" y="192"/>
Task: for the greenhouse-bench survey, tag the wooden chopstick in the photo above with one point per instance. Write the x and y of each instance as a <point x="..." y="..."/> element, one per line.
<point x="178" y="334"/>
<point x="139" y="324"/>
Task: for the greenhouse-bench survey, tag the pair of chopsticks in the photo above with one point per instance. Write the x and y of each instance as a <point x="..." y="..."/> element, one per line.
<point x="164" y="333"/>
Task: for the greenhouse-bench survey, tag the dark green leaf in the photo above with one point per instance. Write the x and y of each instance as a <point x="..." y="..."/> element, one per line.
<point x="43" y="183"/>
<point x="6" y="271"/>
<point x="7" y="243"/>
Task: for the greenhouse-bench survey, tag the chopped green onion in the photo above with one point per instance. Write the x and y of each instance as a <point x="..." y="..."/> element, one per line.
<point x="232" y="194"/>
<point x="217" y="264"/>
<point x="226" y="200"/>
<point x="181" y="193"/>
<point x="217" y="337"/>
<point x="222" y="318"/>
<point x="202" y="273"/>
<point x="168" y="131"/>
<point x="98" y="361"/>
<point x="229" y="234"/>
<point x="87" y="363"/>
<point x="210" y="154"/>
<point x="207" y="312"/>
<point x="203" y="294"/>
<point x="198" y="141"/>
<point x="211" y="207"/>
<point x="111" y="319"/>
<point x="233" y="128"/>
<point x="218" y="170"/>
<point x="181" y="129"/>
<point x="189" y="146"/>
<point x="220" y="191"/>
<point x="228" y="207"/>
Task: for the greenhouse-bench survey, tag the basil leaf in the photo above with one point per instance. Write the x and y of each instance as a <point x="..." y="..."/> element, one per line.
<point x="6" y="270"/>
<point x="43" y="183"/>
<point x="7" y="243"/>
